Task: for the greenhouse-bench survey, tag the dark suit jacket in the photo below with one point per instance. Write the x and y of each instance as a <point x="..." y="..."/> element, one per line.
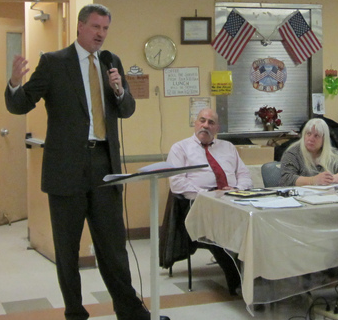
<point x="58" y="80"/>
<point x="175" y="243"/>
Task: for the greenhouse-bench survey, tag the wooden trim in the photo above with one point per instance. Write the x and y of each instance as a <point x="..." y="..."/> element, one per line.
<point x="87" y="262"/>
<point x="138" y="233"/>
<point x="133" y="234"/>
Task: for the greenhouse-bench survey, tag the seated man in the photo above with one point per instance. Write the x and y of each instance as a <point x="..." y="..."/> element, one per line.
<point x="230" y="173"/>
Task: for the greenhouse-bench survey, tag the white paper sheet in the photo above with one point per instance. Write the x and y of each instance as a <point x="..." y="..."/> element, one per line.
<point x="277" y="203"/>
<point x="319" y="199"/>
<point x="111" y="177"/>
<point x="330" y="186"/>
<point x="247" y="202"/>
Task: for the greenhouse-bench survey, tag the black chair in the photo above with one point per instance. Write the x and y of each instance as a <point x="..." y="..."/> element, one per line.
<point x="271" y="174"/>
<point x="175" y="243"/>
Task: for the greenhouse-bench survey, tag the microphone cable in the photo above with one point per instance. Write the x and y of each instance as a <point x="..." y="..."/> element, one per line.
<point x="127" y="217"/>
<point x="157" y="93"/>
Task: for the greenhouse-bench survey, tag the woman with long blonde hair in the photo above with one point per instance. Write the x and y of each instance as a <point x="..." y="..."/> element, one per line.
<point x="311" y="160"/>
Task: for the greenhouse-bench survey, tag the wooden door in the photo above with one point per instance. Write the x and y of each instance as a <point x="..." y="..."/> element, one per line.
<point x="13" y="158"/>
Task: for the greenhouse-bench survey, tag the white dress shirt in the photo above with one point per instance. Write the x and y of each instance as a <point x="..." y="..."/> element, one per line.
<point x="190" y="152"/>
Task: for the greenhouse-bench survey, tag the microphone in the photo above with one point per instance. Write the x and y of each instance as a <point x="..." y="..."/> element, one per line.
<point x="107" y="58"/>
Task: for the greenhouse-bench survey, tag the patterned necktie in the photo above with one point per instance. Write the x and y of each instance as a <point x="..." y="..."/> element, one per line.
<point x="221" y="178"/>
<point x="95" y="93"/>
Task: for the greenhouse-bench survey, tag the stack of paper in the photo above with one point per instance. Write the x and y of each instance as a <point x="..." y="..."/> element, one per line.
<point x="271" y="202"/>
<point x="328" y="187"/>
<point x="276" y="203"/>
<point x="319" y="199"/>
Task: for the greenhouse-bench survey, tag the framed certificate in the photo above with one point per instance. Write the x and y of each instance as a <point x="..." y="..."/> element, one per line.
<point x="195" y="30"/>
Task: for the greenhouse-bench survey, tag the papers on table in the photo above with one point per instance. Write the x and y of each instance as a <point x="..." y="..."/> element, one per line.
<point x="330" y="186"/>
<point x="305" y="195"/>
<point x="247" y="202"/>
<point x="243" y="202"/>
<point x="271" y="202"/>
<point x="276" y="203"/>
<point x="319" y="199"/>
<point x="302" y="191"/>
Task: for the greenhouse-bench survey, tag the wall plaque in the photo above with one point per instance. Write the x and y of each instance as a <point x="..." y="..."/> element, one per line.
<point x="139" y="85"/>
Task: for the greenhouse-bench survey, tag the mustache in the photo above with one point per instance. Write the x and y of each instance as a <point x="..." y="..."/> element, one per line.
<point x="206" y="131"/>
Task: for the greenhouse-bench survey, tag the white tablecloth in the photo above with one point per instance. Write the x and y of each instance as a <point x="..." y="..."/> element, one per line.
<point x="282" y="250"/>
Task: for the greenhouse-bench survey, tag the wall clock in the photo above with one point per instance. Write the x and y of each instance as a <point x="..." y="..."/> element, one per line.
<point x="160" y="51"/>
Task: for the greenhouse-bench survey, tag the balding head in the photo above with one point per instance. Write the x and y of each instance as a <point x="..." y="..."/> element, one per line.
<point x="206" y="125"/>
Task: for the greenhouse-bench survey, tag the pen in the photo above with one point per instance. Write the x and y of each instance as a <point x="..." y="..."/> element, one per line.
<point x="245" y="200"/>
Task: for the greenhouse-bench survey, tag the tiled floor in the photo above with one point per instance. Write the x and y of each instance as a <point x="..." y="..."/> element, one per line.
<point x="29" y="288"/>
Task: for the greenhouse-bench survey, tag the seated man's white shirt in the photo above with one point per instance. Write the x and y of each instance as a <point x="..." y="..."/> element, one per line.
<point x="190" y="152"/>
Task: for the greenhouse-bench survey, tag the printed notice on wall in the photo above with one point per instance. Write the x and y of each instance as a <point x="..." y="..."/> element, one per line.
<point x="181" y="82"/>
<point x="318" y="103"/>
<point x="221" y="82"/>
<point x="139" y="86"/>
<point x="196" y="105"/>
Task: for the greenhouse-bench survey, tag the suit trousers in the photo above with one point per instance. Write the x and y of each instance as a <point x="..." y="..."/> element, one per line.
<point x="102" y="207"/>
<point x="228" y="266"/>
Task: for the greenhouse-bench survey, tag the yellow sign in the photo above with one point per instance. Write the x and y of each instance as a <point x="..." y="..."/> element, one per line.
<point x="221" y="82"/>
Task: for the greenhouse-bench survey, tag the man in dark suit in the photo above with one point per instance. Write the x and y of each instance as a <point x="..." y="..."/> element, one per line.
<point x="76" y="159"/>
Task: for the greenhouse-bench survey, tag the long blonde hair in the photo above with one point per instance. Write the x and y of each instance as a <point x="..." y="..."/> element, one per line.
<point x="328" y="157"/>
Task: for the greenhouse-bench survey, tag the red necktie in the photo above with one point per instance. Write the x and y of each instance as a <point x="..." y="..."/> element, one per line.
<point x="221" y="178"/>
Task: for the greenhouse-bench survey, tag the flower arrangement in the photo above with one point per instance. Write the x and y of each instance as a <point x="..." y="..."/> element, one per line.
<point x="330" y="73"/>
<point x="269" y="116"/>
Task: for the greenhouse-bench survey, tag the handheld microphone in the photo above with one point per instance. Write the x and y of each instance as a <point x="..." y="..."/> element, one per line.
<point x="107" y="58"/>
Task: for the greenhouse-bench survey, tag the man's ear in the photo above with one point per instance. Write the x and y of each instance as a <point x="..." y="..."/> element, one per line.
<point x="79" y="25"/>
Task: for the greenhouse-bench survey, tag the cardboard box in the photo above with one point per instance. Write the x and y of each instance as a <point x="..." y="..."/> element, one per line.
<point x="255" y="154"/>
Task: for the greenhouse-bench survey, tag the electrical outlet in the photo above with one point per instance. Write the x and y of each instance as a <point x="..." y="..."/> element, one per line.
<point x="320" y="310"/>
<point x="91" y="249"/>
<point x="157" y="90"/>
<point x="4" y="215"/>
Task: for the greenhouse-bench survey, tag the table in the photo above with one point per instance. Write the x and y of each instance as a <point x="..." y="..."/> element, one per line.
<point x="284" y="252"/>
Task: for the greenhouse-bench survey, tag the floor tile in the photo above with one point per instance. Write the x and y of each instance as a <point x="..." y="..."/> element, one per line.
<point x="102" y="296"/>
<point x="26" y="305"/>
<point x="29" y="288"/>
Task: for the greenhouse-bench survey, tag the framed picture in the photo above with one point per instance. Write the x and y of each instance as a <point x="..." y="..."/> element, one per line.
<point x="195" y="30"/>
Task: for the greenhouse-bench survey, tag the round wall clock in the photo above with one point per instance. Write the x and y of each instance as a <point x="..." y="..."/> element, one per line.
<point x="160" y="51"/>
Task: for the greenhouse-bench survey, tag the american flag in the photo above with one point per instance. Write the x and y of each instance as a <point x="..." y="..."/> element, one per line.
<point x="259" y="74"/>
<point x="276" y="74"/>
<point x="298" y="38"/>
<point x="233" y="37"/>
